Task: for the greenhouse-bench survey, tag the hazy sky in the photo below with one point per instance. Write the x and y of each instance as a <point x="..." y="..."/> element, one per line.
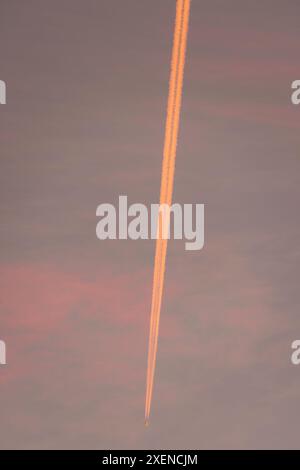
<point x="87" y="84"/>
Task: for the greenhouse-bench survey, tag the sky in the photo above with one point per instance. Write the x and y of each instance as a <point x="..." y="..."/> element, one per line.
<point x="87" y="86"/>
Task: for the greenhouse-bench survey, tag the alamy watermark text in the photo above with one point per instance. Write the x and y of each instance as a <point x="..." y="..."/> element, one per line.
<point x="134" y="222"/>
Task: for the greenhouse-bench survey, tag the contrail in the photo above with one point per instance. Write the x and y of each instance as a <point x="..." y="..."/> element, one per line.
<point x="167" y="181"/>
